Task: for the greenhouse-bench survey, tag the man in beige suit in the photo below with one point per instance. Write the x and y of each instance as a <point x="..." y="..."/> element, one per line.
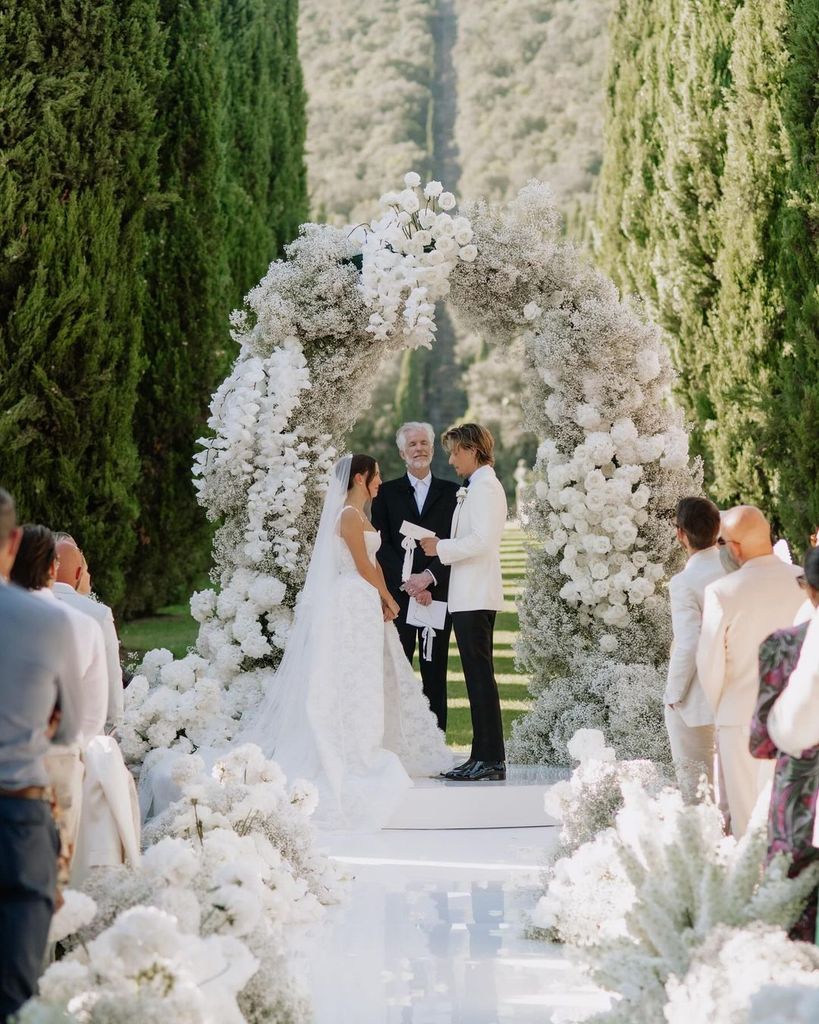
<point x="739" y="612"/>
<point x="688" y="716"/>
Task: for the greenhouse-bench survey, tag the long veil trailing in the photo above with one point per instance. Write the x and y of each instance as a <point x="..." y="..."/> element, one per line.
<point x="281" y="724"/>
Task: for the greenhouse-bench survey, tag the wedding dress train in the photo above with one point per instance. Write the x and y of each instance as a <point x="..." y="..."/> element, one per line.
<point x="367" y="728"/>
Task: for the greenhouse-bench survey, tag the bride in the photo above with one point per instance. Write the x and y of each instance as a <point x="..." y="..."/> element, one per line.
<point x="345" y="709"/>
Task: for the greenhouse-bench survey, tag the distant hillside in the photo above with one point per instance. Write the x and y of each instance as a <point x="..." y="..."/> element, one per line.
<point x="530" y="95"/>
<point x="368" y="68"/>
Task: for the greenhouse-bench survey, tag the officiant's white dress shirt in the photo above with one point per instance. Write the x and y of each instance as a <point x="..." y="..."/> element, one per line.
<point x="421" y="488"/>
<point x="473" y="550"/>
<point x="103" y="615"/>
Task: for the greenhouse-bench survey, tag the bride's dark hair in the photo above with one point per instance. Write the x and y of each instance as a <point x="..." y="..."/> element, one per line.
<point x="365" y="464"/>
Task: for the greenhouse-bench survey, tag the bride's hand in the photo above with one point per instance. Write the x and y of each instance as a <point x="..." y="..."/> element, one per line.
<point x="390" y="609"/>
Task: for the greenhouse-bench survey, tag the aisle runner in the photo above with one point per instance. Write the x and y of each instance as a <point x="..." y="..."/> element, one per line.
<point x="433" y="934"/>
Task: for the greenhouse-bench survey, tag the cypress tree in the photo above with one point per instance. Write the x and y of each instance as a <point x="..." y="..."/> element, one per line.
<point x="266" y="191"/>
<point x="692" y="117"/>
<point x="79" y="170"/>
<point x="185" y="322"/>
<point x="749" y="311"/>
<point x="794" y="403"/>
<point x="626" y="190"/>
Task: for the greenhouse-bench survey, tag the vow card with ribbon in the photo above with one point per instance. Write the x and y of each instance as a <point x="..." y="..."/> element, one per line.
<point x="428" y="618"/>
<point x="411" y="533"/>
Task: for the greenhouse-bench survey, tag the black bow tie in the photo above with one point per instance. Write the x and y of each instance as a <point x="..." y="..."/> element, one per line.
<point x="466" y="482"/>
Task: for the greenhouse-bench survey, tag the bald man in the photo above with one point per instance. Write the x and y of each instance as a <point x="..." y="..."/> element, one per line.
<point x="72" y="575"/>
<point x="739" y="612"/>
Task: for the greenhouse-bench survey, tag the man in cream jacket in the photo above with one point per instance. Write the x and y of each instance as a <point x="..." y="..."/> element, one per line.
<point x="688" y="716"/>
<point x="739" y="612"/>
<point x="476" y="591"/>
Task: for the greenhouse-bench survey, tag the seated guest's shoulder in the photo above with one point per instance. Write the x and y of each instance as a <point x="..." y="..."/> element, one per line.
<point x="19" y="607"/>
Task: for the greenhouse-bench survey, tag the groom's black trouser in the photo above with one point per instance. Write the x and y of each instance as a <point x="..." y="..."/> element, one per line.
<point x="473" y="632"/>
<point x="433" y="673"/>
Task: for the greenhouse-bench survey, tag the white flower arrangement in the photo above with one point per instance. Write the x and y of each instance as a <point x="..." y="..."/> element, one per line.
<point x="611" y="466"/>
<point x="729" y="974"/>
<point x="408" y="255"/>
<point x="77" y="911"/>
<point x="588" y="802"/>
<point x="145" y="968"/>
<point x="234" y="858"/>
<point x="639" y="900"/>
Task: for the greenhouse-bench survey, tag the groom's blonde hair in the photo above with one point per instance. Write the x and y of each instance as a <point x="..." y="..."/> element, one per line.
<point x="473" y="436"/>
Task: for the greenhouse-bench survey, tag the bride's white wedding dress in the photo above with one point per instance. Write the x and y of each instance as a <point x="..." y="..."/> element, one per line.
<point x="366" y="712"/>
<point x="344" y="710"/>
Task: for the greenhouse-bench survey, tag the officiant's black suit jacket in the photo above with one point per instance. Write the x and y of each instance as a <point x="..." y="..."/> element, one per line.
<point x="394" y="503"/>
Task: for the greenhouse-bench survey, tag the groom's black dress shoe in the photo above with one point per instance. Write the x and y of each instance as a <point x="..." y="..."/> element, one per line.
<point x="484" y="771"/>
<point x="457" y="773"/>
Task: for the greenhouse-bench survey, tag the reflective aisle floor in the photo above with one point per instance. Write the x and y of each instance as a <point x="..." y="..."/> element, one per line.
<point x="432" y="933"/>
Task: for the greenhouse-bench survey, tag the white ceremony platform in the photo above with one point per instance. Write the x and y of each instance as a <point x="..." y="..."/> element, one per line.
<point x="433" y="929"/>
<point x="515" y="803"/>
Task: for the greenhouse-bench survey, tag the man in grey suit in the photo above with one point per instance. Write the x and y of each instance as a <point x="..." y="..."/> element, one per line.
<point x="33" y="641"/>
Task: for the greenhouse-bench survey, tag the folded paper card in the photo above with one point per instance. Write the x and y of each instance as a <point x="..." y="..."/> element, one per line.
<point x="433" y="614"/>
<point x="409" y="529"/>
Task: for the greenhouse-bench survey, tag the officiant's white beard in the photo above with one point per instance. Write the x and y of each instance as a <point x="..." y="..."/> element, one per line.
<point x="418" y="464"/>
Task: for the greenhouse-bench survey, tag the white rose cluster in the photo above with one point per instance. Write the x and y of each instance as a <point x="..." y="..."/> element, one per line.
<point x="599" y="505"/>
<point x="231" y="872"/>
<point x="408" y="256"/>
<point x="146" y="968"/>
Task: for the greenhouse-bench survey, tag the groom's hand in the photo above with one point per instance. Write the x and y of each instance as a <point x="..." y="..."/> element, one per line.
<point x="430" y="545"/>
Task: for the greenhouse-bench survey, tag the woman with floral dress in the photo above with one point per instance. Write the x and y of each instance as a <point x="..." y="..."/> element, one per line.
<point x="796" y="779"/>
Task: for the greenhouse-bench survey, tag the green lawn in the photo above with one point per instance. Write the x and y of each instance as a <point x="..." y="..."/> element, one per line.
<point x="173" y="627"/>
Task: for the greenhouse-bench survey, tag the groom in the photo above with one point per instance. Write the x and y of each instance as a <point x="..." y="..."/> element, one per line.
<point x="476" y="591"/>
<point x="427" y="501"/>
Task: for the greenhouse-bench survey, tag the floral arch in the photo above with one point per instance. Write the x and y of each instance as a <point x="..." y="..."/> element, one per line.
<point x="612" y="463"/>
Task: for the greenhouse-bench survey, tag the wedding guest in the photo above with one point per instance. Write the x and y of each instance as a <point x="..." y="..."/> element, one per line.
<point x="35" y="569"/>
<point x="739" y="612"/>
<point x="793" y="723"/>
<point x="688" y="716"/>
<point x="72" y="586"/>
<point x="806" y="609"/>
<point x="796" y="779"/>
<point x="476" y="591"/>
<point x="35" y="667"/>
<point x="428" y="501"/>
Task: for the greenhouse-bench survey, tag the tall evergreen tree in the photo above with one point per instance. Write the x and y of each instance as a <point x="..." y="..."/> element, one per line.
<point x="266" y="193"/>
<point x="77" y="176"/>
<point x="189" y="296"/>
<point x="627" y="184"/>
<point x="691" y="116"/>
<point x="748" y="313"/>
<point x="794" y="403"/>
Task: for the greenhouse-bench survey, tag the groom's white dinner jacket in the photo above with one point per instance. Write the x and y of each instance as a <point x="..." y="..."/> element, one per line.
<point x="687" y="593"/>
<point x="473" y="550"/>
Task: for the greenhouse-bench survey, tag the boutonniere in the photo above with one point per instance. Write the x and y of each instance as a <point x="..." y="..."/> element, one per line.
<point x="460" y="495"/>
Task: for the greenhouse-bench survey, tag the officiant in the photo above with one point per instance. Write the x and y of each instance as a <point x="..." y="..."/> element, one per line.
<point x="428" y="501"/>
